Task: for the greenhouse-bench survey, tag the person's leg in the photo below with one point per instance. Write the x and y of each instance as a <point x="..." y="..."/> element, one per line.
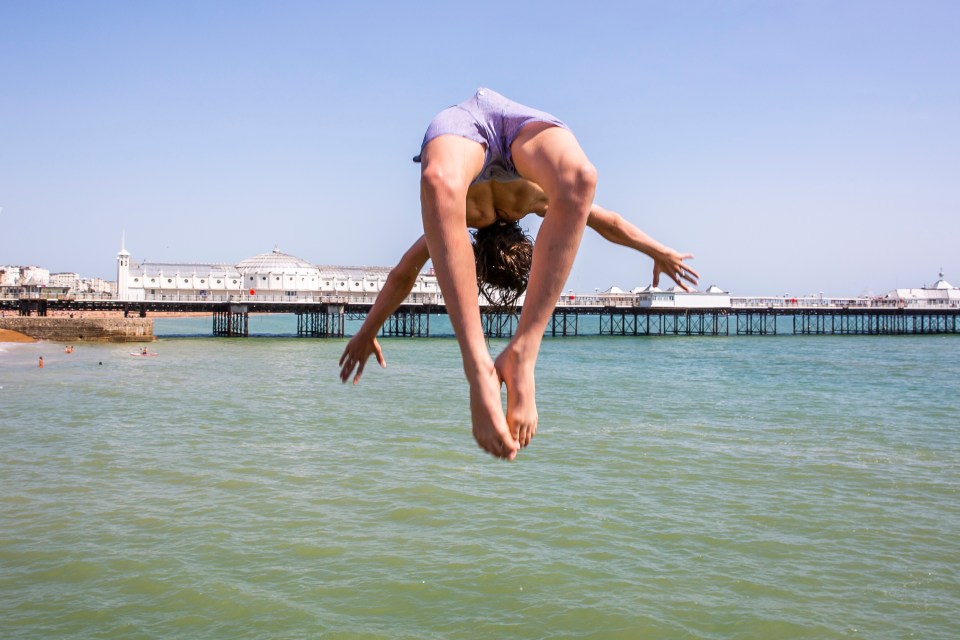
<point x="551" y="157"/>
<point x="449" y="164"/>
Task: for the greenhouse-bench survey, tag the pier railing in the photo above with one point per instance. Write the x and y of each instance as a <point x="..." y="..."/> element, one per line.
<point x="594" y="300"/>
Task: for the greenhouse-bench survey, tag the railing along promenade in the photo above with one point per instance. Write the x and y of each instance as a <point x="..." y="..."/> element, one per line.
<point x="641" y="314"/>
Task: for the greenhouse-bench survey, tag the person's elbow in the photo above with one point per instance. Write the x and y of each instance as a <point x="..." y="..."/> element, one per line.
<point x="402" y="277"/>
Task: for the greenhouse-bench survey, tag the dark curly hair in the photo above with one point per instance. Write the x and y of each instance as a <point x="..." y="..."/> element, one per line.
<point x="504" y="253"/>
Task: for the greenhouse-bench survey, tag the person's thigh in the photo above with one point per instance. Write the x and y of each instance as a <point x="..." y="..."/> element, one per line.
<point x="454" y="158"/>
<point x="548" y="155"/>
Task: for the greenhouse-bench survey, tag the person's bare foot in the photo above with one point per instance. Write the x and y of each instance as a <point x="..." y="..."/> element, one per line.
<point x="518" y="375"/>
<point x="486" y="413"/>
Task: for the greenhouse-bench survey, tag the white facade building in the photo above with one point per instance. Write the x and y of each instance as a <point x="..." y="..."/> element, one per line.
<point x="676" y="298"/>
<point x="271" y="276"/>
<point x="940" y="293"/>
<point x="70" y="281"/>
<point x="31" y="276"/>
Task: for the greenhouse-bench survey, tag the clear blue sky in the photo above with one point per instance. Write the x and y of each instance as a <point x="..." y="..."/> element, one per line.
<point x="794" y="147"/>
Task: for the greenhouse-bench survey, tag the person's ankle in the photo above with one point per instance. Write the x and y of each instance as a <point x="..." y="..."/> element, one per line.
<point x="476" y="372"/>
<point x="522" y="350"/>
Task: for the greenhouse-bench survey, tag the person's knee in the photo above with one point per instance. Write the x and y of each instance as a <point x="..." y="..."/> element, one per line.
<point x="438" y="183"/>
<point x="586" y="179"/>
<point x="577" y="185"/>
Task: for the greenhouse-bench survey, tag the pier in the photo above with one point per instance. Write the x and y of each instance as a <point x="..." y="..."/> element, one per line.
<point x="325" y="298"/>
<point x="619" y="314"/>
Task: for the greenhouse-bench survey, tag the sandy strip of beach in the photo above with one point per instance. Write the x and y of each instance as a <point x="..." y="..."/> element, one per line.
<point x="14" y="336"/>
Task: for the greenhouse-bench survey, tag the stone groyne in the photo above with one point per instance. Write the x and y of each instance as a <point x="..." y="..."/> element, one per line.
<point x="81" y="329"/>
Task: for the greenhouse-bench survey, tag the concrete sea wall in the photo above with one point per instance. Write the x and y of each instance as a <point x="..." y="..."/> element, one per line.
<point x="60" y="329"/>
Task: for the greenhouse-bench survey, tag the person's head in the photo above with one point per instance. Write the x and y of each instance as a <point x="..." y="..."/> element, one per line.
<point x="504" y="253"/>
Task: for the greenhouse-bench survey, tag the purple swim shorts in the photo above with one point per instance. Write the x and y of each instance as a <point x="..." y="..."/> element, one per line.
<point x="494" y="122"/>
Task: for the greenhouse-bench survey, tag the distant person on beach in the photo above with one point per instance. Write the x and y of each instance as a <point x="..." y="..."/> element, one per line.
<point x="487" y="163"/>
<point x="41" y="362"/>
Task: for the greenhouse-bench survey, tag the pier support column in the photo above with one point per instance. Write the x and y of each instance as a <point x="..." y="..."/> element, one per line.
<point x="498" y="325"/>
<point x="564" y="323"/>
<point x="326" y="321"/>
<point x="618" y="323"/>
<point x="29" y="306"/>
<point x="234" y="321"/>
<point x="408" y="322"/>
<point x="758" y="322"/>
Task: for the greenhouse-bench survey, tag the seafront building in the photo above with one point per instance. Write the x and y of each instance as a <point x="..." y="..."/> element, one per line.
<point x="20" y="281"/>
<point x="33" y="281"/>
<point x="31" y="276"/>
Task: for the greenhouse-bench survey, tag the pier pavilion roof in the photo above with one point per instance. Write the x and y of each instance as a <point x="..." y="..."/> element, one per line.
<point x="274" y="262"/>
<point x="940" y="291"/>
<point x="185" y="269"/>
<point x="354" y="273"/>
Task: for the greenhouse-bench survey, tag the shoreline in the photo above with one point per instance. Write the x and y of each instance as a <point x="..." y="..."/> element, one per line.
<point x="9" y="335"/>
<point x="77" y="329"/>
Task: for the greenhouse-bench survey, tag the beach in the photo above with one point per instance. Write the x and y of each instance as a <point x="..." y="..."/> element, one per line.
<point x="13" y="336"/>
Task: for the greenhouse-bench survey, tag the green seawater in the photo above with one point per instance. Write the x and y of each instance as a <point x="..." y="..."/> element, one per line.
<point x="678" y="487"/>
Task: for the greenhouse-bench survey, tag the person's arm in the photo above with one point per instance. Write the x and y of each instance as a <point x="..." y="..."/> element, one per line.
<point x="618" y="230"/>
<point x="395" y="290"/>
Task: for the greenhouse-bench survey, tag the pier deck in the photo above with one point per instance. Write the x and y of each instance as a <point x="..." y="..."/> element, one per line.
<point x="326" y="316"/>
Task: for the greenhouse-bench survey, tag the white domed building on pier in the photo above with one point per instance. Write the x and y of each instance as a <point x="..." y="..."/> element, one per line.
<point x="279" y="274"/>
<point x="271" y="276"/>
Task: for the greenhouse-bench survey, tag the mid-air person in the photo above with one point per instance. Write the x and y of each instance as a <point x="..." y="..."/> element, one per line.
<point x="486" y="163"/>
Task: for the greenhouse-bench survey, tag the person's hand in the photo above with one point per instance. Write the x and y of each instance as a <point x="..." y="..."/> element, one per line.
<point x="671" y="263"/>
<point x="355" y="355"/>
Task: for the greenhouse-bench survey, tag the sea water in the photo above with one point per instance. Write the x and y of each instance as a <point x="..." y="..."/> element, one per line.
<point x="677" y="487"/>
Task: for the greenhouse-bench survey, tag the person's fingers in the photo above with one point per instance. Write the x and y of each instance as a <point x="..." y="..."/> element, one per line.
<point x="686" y="270"/>
<point x="360" y="365"/>
<point x="379" y="353"/>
